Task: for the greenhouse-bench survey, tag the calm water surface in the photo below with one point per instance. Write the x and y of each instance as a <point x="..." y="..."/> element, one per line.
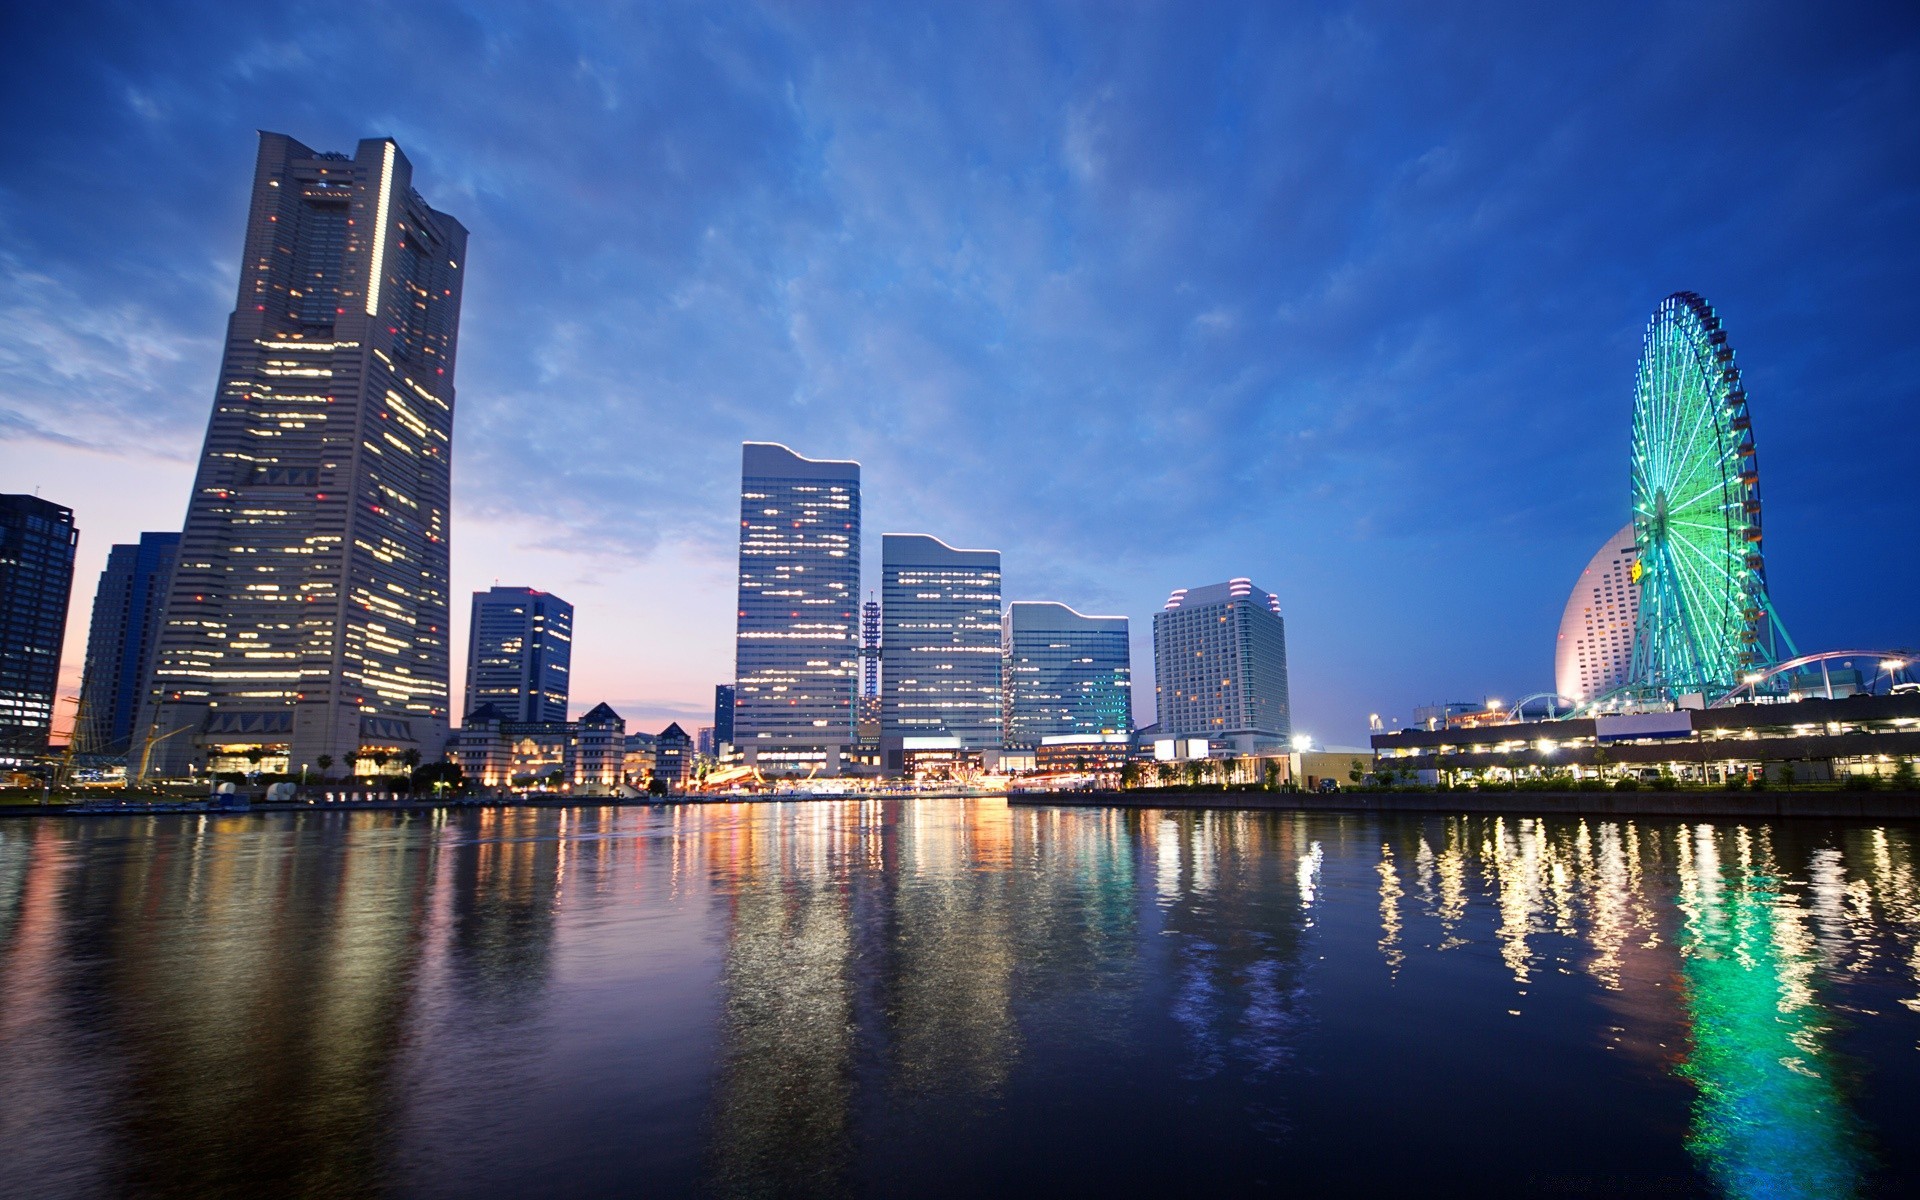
<point x="955" y="997"/>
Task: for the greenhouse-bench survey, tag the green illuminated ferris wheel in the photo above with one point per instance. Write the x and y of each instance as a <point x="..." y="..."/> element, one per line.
<point x="1705" y="618"/>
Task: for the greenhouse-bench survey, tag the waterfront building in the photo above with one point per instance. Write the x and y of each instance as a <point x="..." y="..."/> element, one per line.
<point x="1814" y="739"/>
<point x="37" y="542"/>
<point x="940" y="651"/>
<point x="1067" y="674"/>
<point x="722" y="715"/>
<point x="1083" y="753"/>
<point x="1220" y="667"/>
<point x="128" y="606"/>
<point x="587" y="757"/>
<point x="308" y="614"/>
<point x="1594" y="652"/>
<point x="703" y="742"/>
<point x="673" y="756"/>
<point x="796" y="653"/>
<point x="639" y="762"/>
<point x="599" y="753"/>
<point x="520" y="653"/>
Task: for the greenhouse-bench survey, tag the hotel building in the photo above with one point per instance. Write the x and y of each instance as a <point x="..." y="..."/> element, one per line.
<point x="1220" y="667"/>
<point x="1594" y="653"/>
<point x="797" y="651"/>
<point x="308" y="614"/>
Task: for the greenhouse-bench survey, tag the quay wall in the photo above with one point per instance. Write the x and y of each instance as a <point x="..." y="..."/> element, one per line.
<point x="1870" y="806"/>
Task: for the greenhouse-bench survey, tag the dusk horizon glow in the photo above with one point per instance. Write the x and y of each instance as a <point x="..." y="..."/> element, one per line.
<point x="1344" y="301"/>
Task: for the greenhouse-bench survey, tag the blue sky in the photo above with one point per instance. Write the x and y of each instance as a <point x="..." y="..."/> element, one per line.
<point x="1344" y="298"/>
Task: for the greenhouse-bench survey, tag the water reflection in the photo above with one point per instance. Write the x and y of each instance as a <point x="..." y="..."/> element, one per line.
<point x="873" y="997"/>
<point x="1718" y="910"/>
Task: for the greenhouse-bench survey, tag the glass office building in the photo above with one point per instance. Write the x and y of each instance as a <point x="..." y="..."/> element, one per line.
<point x="1066" y="673"/>
<point x="797" y="647"/>
<point x="37" y="542"/>
<point x="520" y="653"/>
<point x="127" y="610"/>
<point x="940" y="654"/>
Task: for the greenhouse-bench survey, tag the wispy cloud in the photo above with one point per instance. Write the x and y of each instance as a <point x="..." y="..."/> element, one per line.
<point x="1344" y="299"/>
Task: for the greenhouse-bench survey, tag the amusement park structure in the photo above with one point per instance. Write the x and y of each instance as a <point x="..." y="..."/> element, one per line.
<point x="1705" y="632"/>
<point x="1705" y="618"/>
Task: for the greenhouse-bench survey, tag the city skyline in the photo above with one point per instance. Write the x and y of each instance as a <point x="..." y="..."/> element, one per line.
<point x="1033" y="340"/>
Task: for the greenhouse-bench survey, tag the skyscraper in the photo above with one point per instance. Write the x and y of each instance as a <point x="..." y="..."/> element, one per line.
<point x="1594" y="652"/>
<point x="1066" y="673"/>
<point x="722" y="715"/>
<point x="940" y="654"/>
<point x="1220" y="666"/>
<point x="308" y="613"/>
<point x="519" y="653"/>
<point x="796" y="654"/>
<point x="37" y="541"/>
<point x="127" y="610"/>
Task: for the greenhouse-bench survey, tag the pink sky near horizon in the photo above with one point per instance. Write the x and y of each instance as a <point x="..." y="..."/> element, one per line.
<point x="681" y="589"/>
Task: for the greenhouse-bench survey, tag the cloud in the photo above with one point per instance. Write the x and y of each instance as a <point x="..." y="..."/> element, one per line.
<point x="1343" y="299"/>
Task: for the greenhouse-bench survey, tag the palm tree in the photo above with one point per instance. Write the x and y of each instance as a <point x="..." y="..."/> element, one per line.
<point x="325" y="763"/>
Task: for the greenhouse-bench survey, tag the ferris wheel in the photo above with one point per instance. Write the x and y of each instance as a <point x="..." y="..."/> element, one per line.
<point x="1705" y="620"/>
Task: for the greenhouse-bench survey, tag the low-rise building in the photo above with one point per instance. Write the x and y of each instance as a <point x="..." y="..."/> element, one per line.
<point x="1817" y="739"/>
<point x="586" y="757"/>
<point x="673" y="756"/>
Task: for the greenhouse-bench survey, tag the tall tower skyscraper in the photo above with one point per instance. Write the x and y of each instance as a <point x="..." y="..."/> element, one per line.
<point x="1067" y="674"/>
<point x="940" y="654"/>
<point x="870" y="648"/>
<point x="127" y="610"/>
<point x="796" y="654"/>
<point x="520" y="653"/>
<point x="37" y="541"/>
<point x="1220" y="666"/>
<point x="308" y="613"/>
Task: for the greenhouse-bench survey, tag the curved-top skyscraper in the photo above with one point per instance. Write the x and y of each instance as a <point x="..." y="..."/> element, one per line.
<point x="1594" y="654"/>
<point x="796" y="649"/>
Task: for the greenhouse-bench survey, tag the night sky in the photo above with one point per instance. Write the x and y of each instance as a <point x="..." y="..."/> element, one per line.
<point x="1346" y="299"/>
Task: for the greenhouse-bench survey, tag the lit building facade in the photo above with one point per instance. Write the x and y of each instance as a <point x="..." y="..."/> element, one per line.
<point x="1220" y="667"/>
<point x="587" y="757"/>
<point x="37" y="542"/>
<point x="940" y="653"/>
<point x="1067" y="674"/>
<point x="1594" y="653"/>
<point x="673" y="756"/>
<point x="128" y="606"/>
<point x="796" y="652"/>
<point x="520" y="653"/>
<point x="308" y="613"/>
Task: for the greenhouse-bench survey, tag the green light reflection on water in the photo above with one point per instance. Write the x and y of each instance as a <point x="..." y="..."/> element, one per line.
<point x="1768" y="1119"/>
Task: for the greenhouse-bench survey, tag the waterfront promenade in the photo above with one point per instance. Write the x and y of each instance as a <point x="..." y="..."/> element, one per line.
<point x="1877" y="805"/>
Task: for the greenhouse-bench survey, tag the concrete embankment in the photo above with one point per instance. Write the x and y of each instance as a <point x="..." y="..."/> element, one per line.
<point x="1869" y="806"/>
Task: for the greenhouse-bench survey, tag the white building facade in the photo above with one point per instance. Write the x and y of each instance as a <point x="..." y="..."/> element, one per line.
<point x="1220" y="667"/>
